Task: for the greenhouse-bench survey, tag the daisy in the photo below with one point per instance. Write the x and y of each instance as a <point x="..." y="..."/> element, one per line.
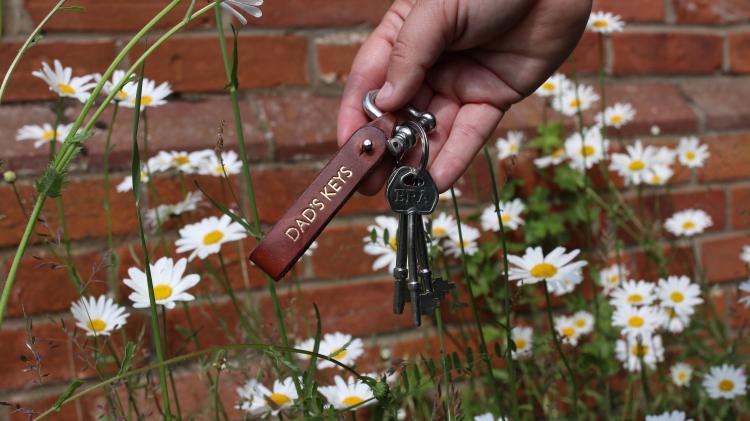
<point x="691" y="153"/>
<point x="229" y="164"/>
<point x="679" y="293"/>
<point x="634" y="166"/>
<point x="587" y="151"/>
<point x="44" y="134"/>
<point x="162" y="213"/>
<point x="248" y="6"/>
<point x="98" y="316"/>
<point x="110" y="85"/>
<point x="470" y="236"/>
<point x="510" y="214"/>
<point x="688" y="222"/>
<point x="633" y="293"/>
<point x="745" y="254"/>
<point x="658" y="175"/>
<point x="306" y="345"/>
<point x="169" y="283"/>
<point x="282" y="395"/>
<point x="745" y="287"/>
<point x="385" y="233"/>
<point x="446" y="195"/>
<point x="584" y="322"/>
<point x="252" y="398"/>
<point x="681" y="374"/>
<point x="186" y="162"/>
<point x="605" y="23"/>
<point x="566" y="327"/>
<point x="611" y="277"/>
<point x="62" y="82"/>
<point x="553" y="86"/>
<point x="346" y="394"/>
<point x="675" y="321"/>
<point x="151" y="95"/>
<point x="566" y="284"/>
<point x="636" y="321"/>
<point x="341" y="347"/>
<point x="616" y="116"/>
<point x="726" y="381"/>
<point x="555" y="158"/>
<point x="534" y="266"/>
<point x="206" y="236"/>
<point x="631" y="350"/>
<point x="488" y="417"/>
<point x="522" y="339"/>
<point x="668" y="416"/>
<point x="507" y="147"/>
<point x="572" y="101"/>
<point x="127" y="183"/>
<point x="443" y="225"/>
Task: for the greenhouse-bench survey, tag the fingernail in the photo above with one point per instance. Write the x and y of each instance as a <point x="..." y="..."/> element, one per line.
<point x="385" y="92"/>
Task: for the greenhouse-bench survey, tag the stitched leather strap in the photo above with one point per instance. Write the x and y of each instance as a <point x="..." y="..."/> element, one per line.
<point x="314" y="209"/>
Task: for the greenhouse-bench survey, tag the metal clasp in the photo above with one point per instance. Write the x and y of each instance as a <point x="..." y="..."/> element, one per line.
<point x="404" y="135"/>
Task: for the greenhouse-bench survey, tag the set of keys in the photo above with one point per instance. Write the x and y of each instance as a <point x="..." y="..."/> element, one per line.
<point x="410" y="191"/>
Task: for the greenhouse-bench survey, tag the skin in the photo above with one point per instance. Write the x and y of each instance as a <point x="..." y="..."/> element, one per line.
<point x="465" y="61"/>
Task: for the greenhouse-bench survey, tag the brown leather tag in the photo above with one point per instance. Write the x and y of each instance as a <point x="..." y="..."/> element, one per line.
<point x="314" y="209"/>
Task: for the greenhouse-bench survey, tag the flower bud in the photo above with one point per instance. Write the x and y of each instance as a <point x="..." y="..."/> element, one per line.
<point x="9" y="177"/>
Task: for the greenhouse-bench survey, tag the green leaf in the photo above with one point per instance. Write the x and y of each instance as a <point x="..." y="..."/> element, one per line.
<point x="127" y="359"/>
<point x="236" y="218"/>
<point x="234" y="82"/>
<point x="73" y="8"/>
<point x="135" y="169"/>
<point x="549" y="137"/>
<point x="75" y="384"/>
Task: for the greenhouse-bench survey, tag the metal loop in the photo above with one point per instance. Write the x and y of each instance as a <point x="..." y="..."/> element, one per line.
<point x="368" y="103"/>
<point x="421" y="134"/>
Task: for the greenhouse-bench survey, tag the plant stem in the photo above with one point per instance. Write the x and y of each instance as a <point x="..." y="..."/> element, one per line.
<point x="112" y="269"/>
<point x="558" y="346"/>
<point x="166" y="355"/>
<point x="249" y="331"/>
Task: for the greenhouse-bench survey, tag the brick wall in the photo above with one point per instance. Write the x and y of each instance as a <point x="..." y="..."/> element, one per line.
<point x="683" y="64"/>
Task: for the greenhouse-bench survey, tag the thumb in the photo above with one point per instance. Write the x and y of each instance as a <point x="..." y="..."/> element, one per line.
<point x="423" y="37"/>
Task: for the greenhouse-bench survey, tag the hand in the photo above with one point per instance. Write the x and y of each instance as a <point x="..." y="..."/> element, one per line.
<point x="465" y="61"/>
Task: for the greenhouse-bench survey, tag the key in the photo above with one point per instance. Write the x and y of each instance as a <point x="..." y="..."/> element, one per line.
<point x="400" y="272"/>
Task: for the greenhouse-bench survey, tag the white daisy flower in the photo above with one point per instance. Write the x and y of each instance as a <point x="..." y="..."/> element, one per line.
<point x="98" y="316"/>
<point x="62" y="82"/>
<point x="679" y="293"/>
<point x="587" y="151"/>
<point x="306" y="345"/>
<point x="616" y="115"/>
<point x="206" y="236"/>
<point x="574" y="100"/>
<point x="251" y="7"/>
<point x="566" y="327"/>
<point x="611" y="277"/>
<point x="44" y="134"/>
<point x="675" y="321"/>
<point x="346" y="394"/>
<point x="488" y="417"/>
<point x="631" y="350"/>
<point x="509" y="146"/>
<point x="745" y="254"/>
<point x="555" y="158"/>
<point x="636" y="165"/>
<point x="658" y="175"/>
<point x="186" y="162"/>
<point x="212" y="166"/>
<point x="169" y="283"/>
<point x="442" y="225"/>
<point x="162" y="213"/>
<point x="565" y="284"/>
<point x="636" y="321"/>
<point x="341" y="347"/>
<point x="151" y="95"/>
<point x="253" y="398"/>
<point x="127" y="183"/>
<point x="605" y="23"/>
<point x="111" y="84"/>
<point x="668" y="416"/>
<point x="584" y="322"/>
<point x="384" y="246"/>
<point x="534" y="266"/>
<point x="691" y="153"/>
<point x="633" y="293"/>
<point x="681" y="374"/>
<point x="446" y="195"/>
<point x="523" y="341"/>
<point x="688" y="222"/>
<point x="554" y="86"/>
<point x="470" y="236"/>
<point x="744" y="287"/>
<point x="726" y="381"/>
<point x="510" y="214"/>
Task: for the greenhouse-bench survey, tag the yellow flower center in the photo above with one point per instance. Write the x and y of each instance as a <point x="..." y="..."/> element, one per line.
<point x="636" y="165"/>
<point x="677" y="297"/>
<point x="568" y="332"/>
<point x="393" y="243"/>
<point x="279" y="398"/>
<point x="682" y="376"/>
<point x="543" y="270"/>
<point x="580" y="323"/>
<point x="616" y="119"/>
<point x="726" y="385"/>
<point x="549" y="86"/>
<point x="181" y="160"/>
<point x="635" y="298"/>
<point x="219" y="169"/>
<point x="352" y="400"/>
<point x="655" y="179"/>
<point x="146" y="99"/>
<point x="558" y="153"/>
<point x="614" y="279"/>
<point x="636" y="321"/>
<point x="439" y="231"/>
<point x="520" y="344"/>
<point x="575" y="103"/>
<point x="97" y="325"/>
<point x="640" y="350"/>
<point x="340" y="353"/>
<point x="690" y="155"/>
<point x="213" y="237"/>
<point x="66" y="89"/>
<point x="688" y="225"/>
<point x="505" y="218"/>
<point x="122" y="95"/>
<point x="600" y="24"/>
<point x="48" y="135"/>
<point x="513" y="148"/>
<point x="162" y="292"/>
<point x="587" y="150"/>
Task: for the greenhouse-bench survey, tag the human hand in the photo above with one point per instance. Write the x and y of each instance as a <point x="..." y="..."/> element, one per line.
<point x="465" y="61"/>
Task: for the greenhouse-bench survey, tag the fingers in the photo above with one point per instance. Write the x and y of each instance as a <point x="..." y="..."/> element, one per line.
<point x="420" y="42"/>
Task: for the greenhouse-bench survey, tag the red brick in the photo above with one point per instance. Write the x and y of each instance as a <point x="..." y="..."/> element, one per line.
<point x="23" y="155"/>
<point x="711" y="11"/>
<point x="721" y="258"/>
<point x="208" y="321"/>
<point x="723" y="102"/>
<point x="322" y="13"/>
<point x="91" y="408"/>
<point x="193" y="64"/>
<point x="739" y="52"/>
<point x="633" y="11"/>
<point x="335" y="60"/>
<point x="90" y="56"/>
<point x="740" y="207"/>
<point x="728" y="160"/>
<point x="343" y="243"/>
<point x="710" y="199"/>
<point x="666" y="53"/>
<point x="111" y="15"/>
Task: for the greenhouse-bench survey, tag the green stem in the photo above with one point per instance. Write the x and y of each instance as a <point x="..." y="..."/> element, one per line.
<point x="443" y="361"/>
<point x="166" y="355"/>
<point x="249" y="331"/>
<point x="112" y="270"/>
<point x="558" y="346"/>
<point x="19" y="200"/>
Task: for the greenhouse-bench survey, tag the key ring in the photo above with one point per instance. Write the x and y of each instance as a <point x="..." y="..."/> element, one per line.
<point x="422" y="136"/>
<point x="404" y="134"/>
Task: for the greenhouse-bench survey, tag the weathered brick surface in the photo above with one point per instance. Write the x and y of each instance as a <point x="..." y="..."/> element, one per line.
<point x="740" y="207"/>
<point x="739" y="52"/>
<point x="721" y="258"/>
<point x="666" y="53"/>
<point x="335" y="60"/>
<point x="711" y="11"/>
<point x="722" y="101"/>
<point x="729" y="155"/>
